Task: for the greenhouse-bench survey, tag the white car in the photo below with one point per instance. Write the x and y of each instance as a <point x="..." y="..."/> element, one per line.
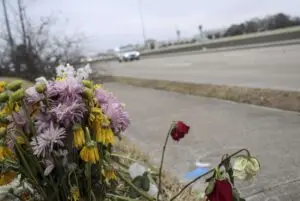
<point x="129" y="56"/>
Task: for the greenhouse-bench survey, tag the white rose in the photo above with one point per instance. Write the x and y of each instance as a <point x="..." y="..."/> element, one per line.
<point x="136" y="169"/>
<point x="153" y="190"/>
<point x="245" y="168"/>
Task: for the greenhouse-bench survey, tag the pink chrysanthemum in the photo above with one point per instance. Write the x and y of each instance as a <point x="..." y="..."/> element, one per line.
<point x="118" y="116"/>
<point x="102" y="96"/>
<point x="113" y="109"/>
<point x="42" y="121"/>
<point x="69" y="113"/>
<point x="32" y="97"/>
<point x="44" y="143"/>
<point x="68" y="89"/>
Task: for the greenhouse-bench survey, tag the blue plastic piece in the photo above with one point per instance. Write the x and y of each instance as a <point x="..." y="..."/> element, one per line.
<point x="195" y="173"/>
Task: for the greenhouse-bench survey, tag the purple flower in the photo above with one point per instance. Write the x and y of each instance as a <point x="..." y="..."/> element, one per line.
<point x="102" y="96"/>
<point x="68" y="89"/>
<point x="112" y="107"/>
<point x="69" y="113"/>
<point x="42" y="121"/>
<point x="118" y="116"/>
<point x="44" y="142"/>
<point x="32" y="97"/>
<point x="19" y="120"/>
<point x="52" y="89"/>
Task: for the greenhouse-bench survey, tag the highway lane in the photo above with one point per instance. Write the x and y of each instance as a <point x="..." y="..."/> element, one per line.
<point x="265" y="67"/>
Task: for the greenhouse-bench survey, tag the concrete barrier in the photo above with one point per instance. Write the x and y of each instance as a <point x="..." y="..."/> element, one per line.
<point x="254" y="38"/>
<point x="234" y="41"/>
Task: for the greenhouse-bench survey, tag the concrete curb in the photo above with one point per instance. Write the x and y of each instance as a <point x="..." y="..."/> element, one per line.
<point x="285" y="100"/>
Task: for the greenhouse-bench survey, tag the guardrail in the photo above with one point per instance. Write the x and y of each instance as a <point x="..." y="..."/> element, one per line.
<point x="247" y="39"/>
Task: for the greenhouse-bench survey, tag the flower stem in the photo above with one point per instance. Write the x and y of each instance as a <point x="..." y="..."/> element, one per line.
<point x="28" y="169"/>
<point x="209" y="172"/>
<point x="119" y="197"/>
<point x="87" y="134"/>
<point x="162" y="161"/>
<point x="145" y="195"/>
<point x="89" y="180"/>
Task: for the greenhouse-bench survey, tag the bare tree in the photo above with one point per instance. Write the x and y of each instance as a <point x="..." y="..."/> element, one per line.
<point x="38" y="51"/>
<point x="11" y="42"/>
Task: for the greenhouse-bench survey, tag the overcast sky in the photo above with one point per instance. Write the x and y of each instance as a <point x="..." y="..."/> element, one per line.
<point x="110" y="23"/>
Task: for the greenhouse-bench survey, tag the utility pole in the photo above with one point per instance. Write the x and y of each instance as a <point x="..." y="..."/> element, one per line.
<point x="10" y="39"/>
<point x="142" y="20"/>
<point x="21" y="16"/>
<point x="201" y="31"/>
<point x="178" y="33"/>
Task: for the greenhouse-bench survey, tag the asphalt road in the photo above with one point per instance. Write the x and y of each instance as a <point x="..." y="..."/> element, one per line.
<point x="265" y="67"/>
<point x="217" y="127"/>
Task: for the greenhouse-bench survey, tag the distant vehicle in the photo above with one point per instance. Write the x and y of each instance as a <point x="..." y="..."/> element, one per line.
<point x="128" y="56"/>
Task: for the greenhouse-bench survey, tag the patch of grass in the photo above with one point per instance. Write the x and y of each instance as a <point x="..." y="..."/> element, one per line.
<point x="286" y="100"/>
<point x="26" y="83"/>
<point x="170" y="184"/>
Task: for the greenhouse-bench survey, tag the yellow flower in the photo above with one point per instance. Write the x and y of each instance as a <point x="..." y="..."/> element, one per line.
<point x="96" y="114"/>
<point x="89" y="153"/>
<point x="4" y="97"/>
<point x="2" y="131"/>
<point x="109" y="175"/>
<point x="75" y="194"/>
<point x="17" y="95"/>
<point x="88" y="93"/>
<point x="41" y="88"/>
<point x="2" y="86"/>
<point x="78" y="138"/>
<point x="5" y="110"/>
<point x="3" y="120"/>
<point x="97" y="86"/>
<point x="5" y="153"/>
<point x="7" y="177"/>
<point x="59" y="78"/>
<point x="9" y="108"/>
<point x="100" y="124"/>
<point x="106" y="136"/>
<point x="14" y="85"/>
<point x="20" y="139"/>
<point x="87" y="83"/>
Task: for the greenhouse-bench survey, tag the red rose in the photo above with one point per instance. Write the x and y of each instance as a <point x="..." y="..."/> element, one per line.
<point x="222" y="191"/>
<point x="179" y="130"/>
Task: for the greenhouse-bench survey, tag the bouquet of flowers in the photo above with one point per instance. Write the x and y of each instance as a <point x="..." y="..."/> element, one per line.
<point x="57" y="137"/>
<point x="57" y="143"/>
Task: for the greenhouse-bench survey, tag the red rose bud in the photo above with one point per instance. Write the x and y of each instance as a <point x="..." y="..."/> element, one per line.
<point x="222" y="191"/>
<point x="179" y="130"/>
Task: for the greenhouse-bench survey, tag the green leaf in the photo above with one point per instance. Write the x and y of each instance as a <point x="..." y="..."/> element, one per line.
<point x="242" y="199"/>
<point x="145" y="182"/>
<point x="211" y="178"/>
<point x="210" y="187"/>
<point x="138" y="183"/>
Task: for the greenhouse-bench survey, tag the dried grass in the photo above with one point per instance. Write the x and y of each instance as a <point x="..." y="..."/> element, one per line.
<point x="170" y="184"/>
